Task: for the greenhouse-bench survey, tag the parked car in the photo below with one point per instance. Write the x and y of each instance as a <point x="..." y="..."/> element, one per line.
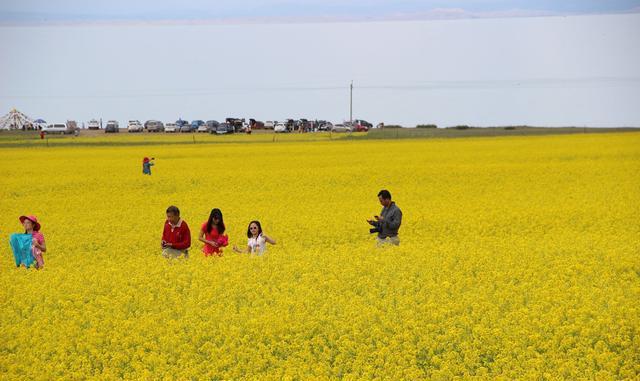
<point x="290" y="124"/>
<point x="236" y="123"/>
<point x="212" y="125"/>
<point x="135" y="126"/>
<point x="183" y="126"/>
<point x="55" y="128"/>
<point x="340" y="128"/>
<point x="225" y="128"/>
<point x="154" y="126"/>
<point x="72" y="127"/>
<point x="363" y="122"/>
<point x="93" y="125"/>
<point x="256" y="124"/>
<point x="112" y="126"/>
<point x="269" y="124"/>
<point x="203" y="128"/>
<point x="325" y="126"/>
<point x="180" y="123"/>
<point x="280" y="127"/>
<point x="316" y="124"/>
<point x="360" y="125"/>
<point x="302" y="125"/>
<point x="195" y="124"/>
<point x="170" y="127"/>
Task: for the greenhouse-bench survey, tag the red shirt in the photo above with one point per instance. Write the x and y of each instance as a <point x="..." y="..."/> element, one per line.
<point x="221" y="239"/>
<point x="179" y="236"/>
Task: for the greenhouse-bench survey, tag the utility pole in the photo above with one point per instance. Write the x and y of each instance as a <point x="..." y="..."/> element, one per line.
<point x="351" y="103"/>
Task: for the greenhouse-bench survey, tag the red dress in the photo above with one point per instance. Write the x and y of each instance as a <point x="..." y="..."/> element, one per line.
<point x="221" y="239"/>
<point x="37" y="253"/>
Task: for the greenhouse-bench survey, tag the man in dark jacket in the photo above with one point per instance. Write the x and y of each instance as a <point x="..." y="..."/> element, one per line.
<point x="388" y="222"/>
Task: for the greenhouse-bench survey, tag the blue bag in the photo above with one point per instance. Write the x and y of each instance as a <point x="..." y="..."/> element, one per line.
<point x="21" y="247"/>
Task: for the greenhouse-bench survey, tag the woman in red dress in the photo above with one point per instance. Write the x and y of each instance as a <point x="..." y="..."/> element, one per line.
<point x="212" y="234"/>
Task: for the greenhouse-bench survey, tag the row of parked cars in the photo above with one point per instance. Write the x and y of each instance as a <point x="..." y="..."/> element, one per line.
<point x="232" y="125"/>
<point x="304" y="125"/>
<point x="133" y="126"/>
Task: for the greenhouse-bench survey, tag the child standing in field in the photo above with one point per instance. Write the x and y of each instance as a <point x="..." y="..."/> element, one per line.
<point x="176" y="237"/>
<point x="146" y="166"/>
<point x="212" y="234"/>
<point x="28" y="247"/>
<point x="257" y="240"/>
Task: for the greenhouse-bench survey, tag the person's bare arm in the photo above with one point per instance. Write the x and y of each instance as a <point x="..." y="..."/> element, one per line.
<point x="238" y="250"/>
<point x="270" y="240"/>
<point x="42" y="246"/>
<point x="201" y="238"/>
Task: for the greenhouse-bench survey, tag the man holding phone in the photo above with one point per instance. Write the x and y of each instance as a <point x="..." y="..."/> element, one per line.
<point x="176" y="236"/>
<point x="388" y="222"/>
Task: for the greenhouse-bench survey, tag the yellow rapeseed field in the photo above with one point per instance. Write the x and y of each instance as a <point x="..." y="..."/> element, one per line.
<point x="520" y="258"/>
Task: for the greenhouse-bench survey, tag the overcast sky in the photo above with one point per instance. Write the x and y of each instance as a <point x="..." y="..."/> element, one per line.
<point x="33" y="11"/>
<point x="443" y="62"/>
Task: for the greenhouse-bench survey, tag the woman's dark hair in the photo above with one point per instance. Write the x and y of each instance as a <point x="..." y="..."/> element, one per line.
<point x="215" y="213"/>
<point x="173" y="210"/>
<point x="249" y="235"/>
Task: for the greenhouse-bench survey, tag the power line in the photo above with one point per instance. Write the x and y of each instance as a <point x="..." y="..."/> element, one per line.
<point x="408" y="85"/>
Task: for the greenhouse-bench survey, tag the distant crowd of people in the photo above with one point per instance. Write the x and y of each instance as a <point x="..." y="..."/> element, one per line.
<point x="28" y="247"/>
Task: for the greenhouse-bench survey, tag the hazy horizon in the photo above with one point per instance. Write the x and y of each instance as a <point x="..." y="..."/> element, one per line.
<point x="61" y="11"/>
<point x="541" y="71"/>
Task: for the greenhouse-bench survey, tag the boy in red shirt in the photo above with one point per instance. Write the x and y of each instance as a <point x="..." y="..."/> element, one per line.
<point x="176" y="237"/>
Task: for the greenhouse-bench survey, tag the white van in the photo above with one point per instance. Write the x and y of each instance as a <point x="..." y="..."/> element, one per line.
<point x="56" y="128"/>
<point x="170" y="127"/>
<point x="93" y="125"/>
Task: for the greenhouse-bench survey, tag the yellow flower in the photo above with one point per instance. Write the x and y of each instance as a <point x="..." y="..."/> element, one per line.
<point x="518" y="260"/>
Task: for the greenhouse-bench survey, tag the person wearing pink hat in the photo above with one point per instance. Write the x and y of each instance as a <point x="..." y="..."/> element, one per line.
<point x="28" y="247"/>
<point x="146" y="166"/>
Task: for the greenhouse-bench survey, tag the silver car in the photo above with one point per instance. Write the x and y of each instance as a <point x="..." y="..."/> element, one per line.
<point x="154" y="126"/>
<point x="340" y="128"/>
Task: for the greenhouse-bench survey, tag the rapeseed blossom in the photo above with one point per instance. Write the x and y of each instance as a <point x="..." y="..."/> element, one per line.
<point x="519" y="259"/>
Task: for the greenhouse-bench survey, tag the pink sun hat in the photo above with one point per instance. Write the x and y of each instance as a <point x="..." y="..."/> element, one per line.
<point x="32" y="218"/>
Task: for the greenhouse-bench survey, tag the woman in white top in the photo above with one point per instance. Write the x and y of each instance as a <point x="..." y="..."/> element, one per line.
<point x="257" y="242"/>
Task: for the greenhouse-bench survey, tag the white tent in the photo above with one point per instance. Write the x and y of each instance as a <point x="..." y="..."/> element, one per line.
<point x="15" y="120"/>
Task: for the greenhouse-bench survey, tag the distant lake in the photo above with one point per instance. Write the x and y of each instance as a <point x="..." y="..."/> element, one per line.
<point x="546" y="71"/>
